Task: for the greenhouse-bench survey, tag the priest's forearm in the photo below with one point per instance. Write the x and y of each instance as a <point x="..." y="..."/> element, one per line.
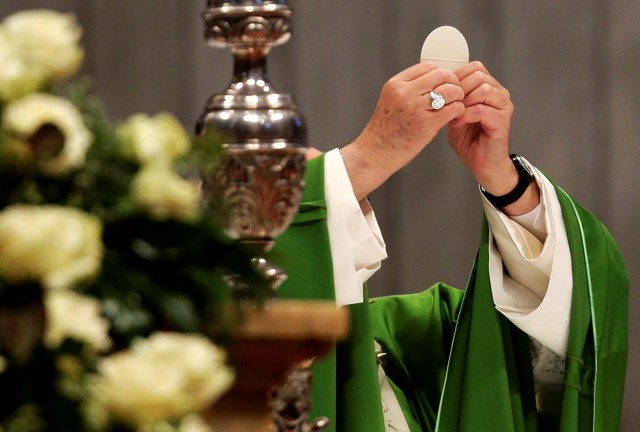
<point x="365" y="172"/>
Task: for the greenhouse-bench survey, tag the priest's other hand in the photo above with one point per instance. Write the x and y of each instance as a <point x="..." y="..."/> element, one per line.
<point x="402" y="124"/>
<point x="480" y="136"/>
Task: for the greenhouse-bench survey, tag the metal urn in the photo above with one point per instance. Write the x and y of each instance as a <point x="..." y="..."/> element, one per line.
<point x="256" y="186"/>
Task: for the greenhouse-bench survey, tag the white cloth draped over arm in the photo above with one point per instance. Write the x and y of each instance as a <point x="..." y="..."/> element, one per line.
<point x="530" y="269"/>
<point x="357" y="246"/>
<point x="530" y="264"/>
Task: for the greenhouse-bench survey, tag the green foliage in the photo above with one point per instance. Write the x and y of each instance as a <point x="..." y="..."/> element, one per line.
<point x="166" y="275"/>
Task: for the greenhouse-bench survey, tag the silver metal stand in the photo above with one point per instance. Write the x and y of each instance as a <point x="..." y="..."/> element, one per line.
<point x="256" y="187"/>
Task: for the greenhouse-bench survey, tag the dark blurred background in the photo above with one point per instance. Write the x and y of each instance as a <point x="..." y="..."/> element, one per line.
<point x="572" y="68"/>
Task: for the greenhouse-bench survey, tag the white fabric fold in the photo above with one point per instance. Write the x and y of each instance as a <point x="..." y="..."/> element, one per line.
<point x="529" y="266"/>
<point x="531" y="281"/>
<point x="357" y="246"/>
<point x="394" y="419"/>
<point x="530" y="263"/>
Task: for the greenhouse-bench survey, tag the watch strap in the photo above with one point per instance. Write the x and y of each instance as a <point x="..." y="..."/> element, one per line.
<point x="525" y="178"/>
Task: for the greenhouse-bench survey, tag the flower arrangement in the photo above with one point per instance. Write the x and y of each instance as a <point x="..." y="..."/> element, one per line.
<point x="109" y="271"/>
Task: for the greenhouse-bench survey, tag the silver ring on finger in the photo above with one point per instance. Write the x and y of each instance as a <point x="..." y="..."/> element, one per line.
<point x="437" y="100"/>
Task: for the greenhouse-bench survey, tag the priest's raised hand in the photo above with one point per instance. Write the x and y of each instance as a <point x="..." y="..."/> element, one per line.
<point x="403" y="123"/>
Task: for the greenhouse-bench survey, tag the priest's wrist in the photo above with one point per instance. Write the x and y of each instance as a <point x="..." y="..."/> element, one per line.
<point x="366" y="173"/>
<point x="527" y="202"/>
<point x="512" y="188"/>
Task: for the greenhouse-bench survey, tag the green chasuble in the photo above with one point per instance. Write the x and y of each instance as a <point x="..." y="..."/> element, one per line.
<point x="454" y="362"/>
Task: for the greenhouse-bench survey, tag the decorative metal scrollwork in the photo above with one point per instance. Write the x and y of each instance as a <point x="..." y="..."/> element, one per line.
<point x="239" y="23"/>
<point x="257" y="195"/>
<point x="256" y="187"/>
<point x="291" y="402"/>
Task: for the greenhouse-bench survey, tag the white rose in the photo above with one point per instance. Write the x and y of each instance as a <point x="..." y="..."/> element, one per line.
<point x="71" y="315"/>
<point x="17" y="78"/>
<point x="139" y="390"/>
<point x="46" y="39"/>
<point x="163" y="194"/>
<point x="24" y="117"/>
<point x="57" y="246"/>
<point x="194" y="423"/>
<point x="158" y="139"/>
<point x="162" y="378"/>
<point x="189" y="423"/>
<point x="203" y="364"/>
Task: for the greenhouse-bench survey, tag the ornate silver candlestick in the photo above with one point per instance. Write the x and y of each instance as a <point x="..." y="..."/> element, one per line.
<point x="256" y="187"/>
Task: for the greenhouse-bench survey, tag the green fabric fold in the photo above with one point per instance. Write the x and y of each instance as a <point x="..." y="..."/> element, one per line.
<point x="310" y="211"/>
<point x="304" y="253"/>
<point x="489" y="384"/>
<point x="455" y="363"/>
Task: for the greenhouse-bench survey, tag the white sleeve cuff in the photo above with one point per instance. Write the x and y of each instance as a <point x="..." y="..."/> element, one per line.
<point x="531" y="281"/>
<point x="357" y="246"/>
<point x="534" y="222"/>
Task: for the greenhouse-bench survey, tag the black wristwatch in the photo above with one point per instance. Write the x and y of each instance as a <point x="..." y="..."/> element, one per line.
<point x="525" y="177"/>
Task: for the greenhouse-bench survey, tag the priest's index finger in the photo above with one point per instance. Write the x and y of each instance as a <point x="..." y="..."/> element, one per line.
<point x="415" y="71"/>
